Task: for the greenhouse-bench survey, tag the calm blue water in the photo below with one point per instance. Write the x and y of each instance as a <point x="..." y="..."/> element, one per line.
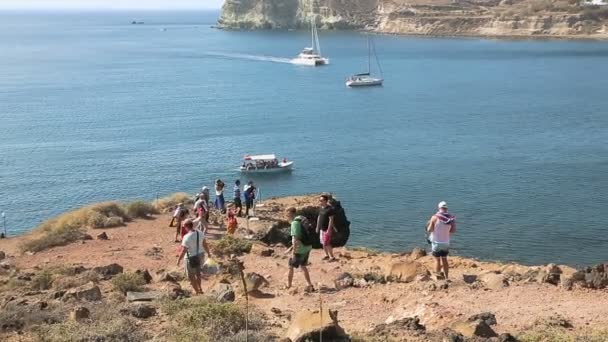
<point x="513" y="134"/>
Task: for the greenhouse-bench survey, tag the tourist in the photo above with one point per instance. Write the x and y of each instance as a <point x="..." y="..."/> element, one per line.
<point x="325" y="227"/>
<point x="441" y="226"/>
<point x="219" y="196"/>
<point x="179" y="215"/>
<point x="299" y="250"/>
<point x="232" y="221"/>
<point x="249" y="191"/>
<point x="205" y="192"/>
<point x="237" y="198"/>
<point x="201" y="210"/>
<point x="194" y="246"/>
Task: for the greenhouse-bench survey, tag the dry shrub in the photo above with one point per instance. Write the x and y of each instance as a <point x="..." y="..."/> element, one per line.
<point x="14" y="317"/>
<point x="67" y="282"/>
<point x="229" y="245"/>
<point x="168" y="203"/>
<point x="42" y="280"/>
<point x="106" y="324"/>
<point x="128" y="282"/>
<point x="204" y="319"/>
<point x="140" y="209"/>
<point x="554" y="334"/>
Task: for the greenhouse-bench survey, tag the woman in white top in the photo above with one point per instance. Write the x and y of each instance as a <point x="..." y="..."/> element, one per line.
<point x="219" y="196"/>
<point x="441" y="227"/>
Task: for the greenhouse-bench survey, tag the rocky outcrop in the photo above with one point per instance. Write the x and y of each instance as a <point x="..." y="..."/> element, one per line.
<point x="308" y="325"/>
<point x="522" y="18"/>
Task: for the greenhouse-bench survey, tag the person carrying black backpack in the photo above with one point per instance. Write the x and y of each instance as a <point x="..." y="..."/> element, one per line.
<point x="302" y="234"/>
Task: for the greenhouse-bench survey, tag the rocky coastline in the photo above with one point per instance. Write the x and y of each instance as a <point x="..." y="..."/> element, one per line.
<point x="450" y="18"/>
<point x="113" y="278"/>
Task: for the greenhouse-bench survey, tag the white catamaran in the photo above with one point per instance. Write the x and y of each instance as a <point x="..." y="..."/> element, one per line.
<point x="311" y="56"/>
<point x="366" y="79"/>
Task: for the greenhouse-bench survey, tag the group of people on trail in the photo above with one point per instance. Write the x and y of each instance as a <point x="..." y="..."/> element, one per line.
<point x="303" y="233"/>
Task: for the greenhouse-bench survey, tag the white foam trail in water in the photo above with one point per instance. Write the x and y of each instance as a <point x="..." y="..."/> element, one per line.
<point x="259" y="58"/>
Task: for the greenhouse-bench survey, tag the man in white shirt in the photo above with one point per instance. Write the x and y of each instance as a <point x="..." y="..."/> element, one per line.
<point x="194" y="246"/>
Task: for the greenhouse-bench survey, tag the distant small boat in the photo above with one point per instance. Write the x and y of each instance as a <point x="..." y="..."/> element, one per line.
<point x="366" y="79"/>
<point x="264" y="163"/>
<point x="137" y="22"/>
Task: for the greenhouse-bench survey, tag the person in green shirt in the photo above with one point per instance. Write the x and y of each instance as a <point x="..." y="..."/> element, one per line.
<point x="299" y="251"/>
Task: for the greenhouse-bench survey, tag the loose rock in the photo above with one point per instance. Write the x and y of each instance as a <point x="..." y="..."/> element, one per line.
<point x="494" y="281"/>
<point x="87" y="237"/>
<point x="417" y="253"/>
<point x="102" y="236"/>
<point x="406" y="271"/>
<point x="308" y="325"/>
<point x="344" y="280"/>
<point x="261" y="250"/>
<point x="223" y="293"/>
<point x="108" y="271"/>
<point x="79" y="313"/>
<point x="89" y="292"/>
<point x="143" y="296"/>
<point x="254" y="281"/>
<point x="487" y="317"/>
<point x="146" y="275"/>
<point x="2" y="255"/>
<point x="142" y="311"/>
<point x="477" y="328"/>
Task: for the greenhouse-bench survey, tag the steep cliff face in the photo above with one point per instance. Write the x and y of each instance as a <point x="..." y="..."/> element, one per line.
<point x="288" y="14"/>
<point x="525" y="18"/>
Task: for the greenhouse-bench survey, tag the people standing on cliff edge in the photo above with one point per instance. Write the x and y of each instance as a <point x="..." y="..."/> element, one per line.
<point x="219" y="196"/>
<point x="441" y="226"/>
<point x="249" y="193"/>
<point x="194" y="246"/>
<point x="325" y="227"/>
<point x="179" y="215"/>
<point x="301" y="245"/>
<point x="237" y="198"/>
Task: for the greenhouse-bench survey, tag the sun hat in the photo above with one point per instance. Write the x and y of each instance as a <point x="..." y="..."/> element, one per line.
<point x="442" y="205"/>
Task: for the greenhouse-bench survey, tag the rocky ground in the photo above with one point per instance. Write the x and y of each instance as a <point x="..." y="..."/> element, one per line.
<point x="128" y="282"/>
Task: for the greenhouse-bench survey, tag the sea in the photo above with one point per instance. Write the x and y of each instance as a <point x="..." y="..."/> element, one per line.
<point x="513" y="134"/>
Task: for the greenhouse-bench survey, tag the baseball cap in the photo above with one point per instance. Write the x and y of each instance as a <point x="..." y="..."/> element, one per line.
<point x="442" y="204"/>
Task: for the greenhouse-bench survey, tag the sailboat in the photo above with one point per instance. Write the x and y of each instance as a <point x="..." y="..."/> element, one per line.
<point x="366" y="79"/>
<point x="311" y="56"/>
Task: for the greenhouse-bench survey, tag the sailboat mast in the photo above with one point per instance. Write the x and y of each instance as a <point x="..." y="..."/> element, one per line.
<point x="369" y="56"/>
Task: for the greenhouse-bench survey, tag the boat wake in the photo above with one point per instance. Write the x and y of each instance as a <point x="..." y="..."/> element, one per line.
<point x="258" y="58"/>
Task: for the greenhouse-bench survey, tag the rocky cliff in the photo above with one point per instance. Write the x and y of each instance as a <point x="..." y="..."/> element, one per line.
<point x="507" y="18"/>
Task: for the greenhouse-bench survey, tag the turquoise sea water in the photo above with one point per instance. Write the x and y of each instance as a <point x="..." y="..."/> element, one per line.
<point x="512" y="134"/>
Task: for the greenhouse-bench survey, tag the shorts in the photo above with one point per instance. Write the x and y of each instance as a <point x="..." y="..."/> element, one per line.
<point x="325" y="236"/>
<point x="237" y="203"/>
<point x="440" y="249"/>
<point x="299" y="260"/>
<point x="191" y="271"/>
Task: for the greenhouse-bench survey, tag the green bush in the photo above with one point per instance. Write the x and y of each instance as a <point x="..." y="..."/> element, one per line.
<point x="229" y="245"/>
<point x="141" y="209"/>
<point x="128" y="281"/>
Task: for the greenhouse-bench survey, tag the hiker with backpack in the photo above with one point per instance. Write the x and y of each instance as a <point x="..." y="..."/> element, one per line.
<point x="302" y="235"/>
<point x="249" y="193"/>
<point x="325" y="227"/>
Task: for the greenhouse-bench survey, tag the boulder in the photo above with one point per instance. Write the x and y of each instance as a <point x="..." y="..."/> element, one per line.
<point x="277" y="232"/>
<point x="143" y="296"/>
<point x="89" y="292"/>
<point x="254" y="281"/>
<point x="223" y="293"/>
<point x="487" y="317"/>
<point x="469" y="278"/>
<point x="79" y="313"/>
<point x="506" y="337"/>
<point x="408" y="323"/>
<point x="108" y="271"/>
<point x="102" y="236"/>
<point x="417" y="253"/>
<point x="596" y="277"/>
<point x="344" y="280"/>
<point x="2" y="255"/>
<point x="171" y="276"/>
<point x="261" y="250"/>
<point x="570" y="276"/>
<point x="493" y="280"/>
<point x="142" y="311"/>
<point x="146" y="275"/>
<point x="309" y="325"/>
<point x="476" y="328"/>
<point x="406" y="271"/>
<point x="87" y="237"/>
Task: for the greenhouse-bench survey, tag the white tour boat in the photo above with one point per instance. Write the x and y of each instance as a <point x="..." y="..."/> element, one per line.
<point x="265" y="163"/>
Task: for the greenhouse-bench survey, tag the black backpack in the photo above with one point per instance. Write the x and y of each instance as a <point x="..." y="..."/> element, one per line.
<point x="339" y="237"/>
<point x="309" y="235"/>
